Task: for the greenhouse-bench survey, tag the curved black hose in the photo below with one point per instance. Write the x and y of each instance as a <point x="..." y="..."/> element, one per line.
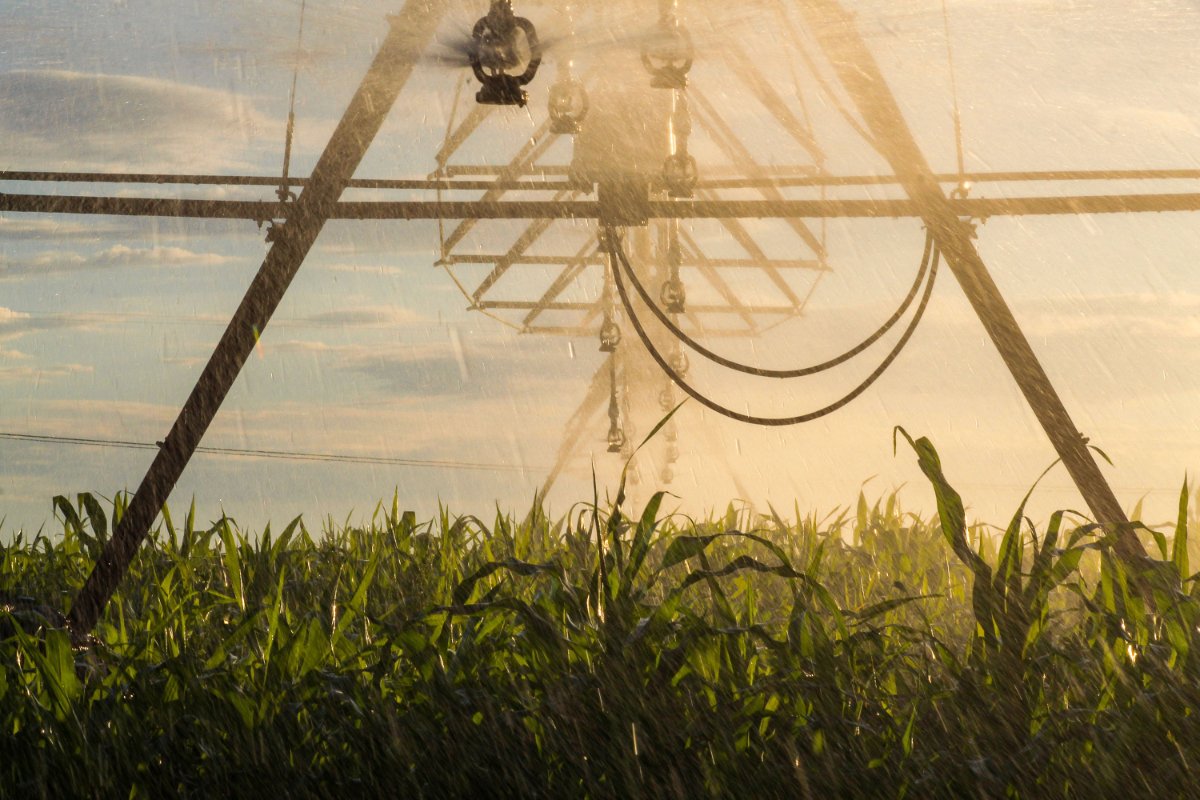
<point x="762" y="372"/>
<point x="614" y="249"/>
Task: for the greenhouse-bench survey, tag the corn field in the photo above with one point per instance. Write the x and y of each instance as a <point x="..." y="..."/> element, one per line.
<point x="612" y="652"/>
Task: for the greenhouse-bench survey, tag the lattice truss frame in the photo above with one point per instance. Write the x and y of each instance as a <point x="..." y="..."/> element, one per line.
<point x="547" y="276"/>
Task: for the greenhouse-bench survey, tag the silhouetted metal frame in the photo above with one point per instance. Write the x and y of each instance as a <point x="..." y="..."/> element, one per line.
<point x="860" y="75"/>
<point x="980" y="208"/>
<point x="527" y="161"/>
<point x="410" y="31"/>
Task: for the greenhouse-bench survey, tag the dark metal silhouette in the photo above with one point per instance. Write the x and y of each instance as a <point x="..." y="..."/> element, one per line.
<point x="388" y="73"/>
<point x="668" y="56"/>
<point x="859" y="73"/>
<point x="496" y="51"/>
<point x="504" y="43"/>
<point x="259" y="210"/>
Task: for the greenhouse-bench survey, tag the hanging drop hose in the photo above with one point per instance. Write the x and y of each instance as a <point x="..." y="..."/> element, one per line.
<point x="616" y="252"/>
<point x="798" y="372"/>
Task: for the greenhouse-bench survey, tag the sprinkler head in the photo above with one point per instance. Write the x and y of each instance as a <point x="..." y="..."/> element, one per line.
<point x="666" y="399"/>
<point x="668" y="58"/>
<point x="616" y="439"/>
<point x="680" y="174"/>
<point x="568" y="106"/>
<point x="501" y="90"/>
<point x="679" y="363"/>
<point x="673" y="296"/>
<point x="610" y="336"/>
<point x="502" y="44"/>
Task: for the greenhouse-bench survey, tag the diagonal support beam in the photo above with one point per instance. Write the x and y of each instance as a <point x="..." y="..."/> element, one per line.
<point x="742" y="236"/>
<point x="860" y="75"/>
<point x="577" y="264"/>
<point x="715" y="280"/>
<point x="748" y="71"/>
<point x="527" y="239"/>
<point x="729" y="142"/>
<point x="460" y="134"/>
<point x="410" y="32"/>
<point x="530" y="152"/>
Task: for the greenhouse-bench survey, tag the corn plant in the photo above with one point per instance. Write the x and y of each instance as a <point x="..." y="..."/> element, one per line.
<point x="611" y="653"/>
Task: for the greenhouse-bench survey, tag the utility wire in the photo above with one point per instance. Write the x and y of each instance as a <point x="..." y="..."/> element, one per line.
<point x="614" y="248"/>
<point x="762" y="372"/>
<point x="282" y="455"/>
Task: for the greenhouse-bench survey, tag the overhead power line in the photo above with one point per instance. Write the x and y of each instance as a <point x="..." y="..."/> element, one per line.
<point x="281" y="455"/>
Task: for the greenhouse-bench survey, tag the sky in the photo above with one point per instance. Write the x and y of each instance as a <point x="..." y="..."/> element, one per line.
<point x="105" y="322"/>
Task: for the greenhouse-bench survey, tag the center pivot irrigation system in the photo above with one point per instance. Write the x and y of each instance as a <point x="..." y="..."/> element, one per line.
<point x="630" y="181"/>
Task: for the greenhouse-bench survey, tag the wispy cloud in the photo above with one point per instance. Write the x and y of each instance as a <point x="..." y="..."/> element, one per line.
<point x="15" y="324"/>
<point x="123" y="255"/>
<point x="449" y="365"/>
<point x="19" y="367"/>
<point x="8" y="315"/>
<point x="366" y="318"/>
<point x="25" y="228"/>
<point x="24" y="372"/>
<point x="118" y="255"/>
<point x="1173" y="318"/>
<point x="8" y="356"/>
<point x="56" y="119"/>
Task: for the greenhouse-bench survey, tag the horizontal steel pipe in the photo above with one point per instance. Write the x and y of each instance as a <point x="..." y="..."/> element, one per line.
<point x="776" y="176"/>
<point x="260" y="211"/>
<point x="527" y="305"/>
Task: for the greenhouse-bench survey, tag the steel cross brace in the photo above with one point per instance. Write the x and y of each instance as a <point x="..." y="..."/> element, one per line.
<point x="859" y="73"/>
<point x="410" y="31"/>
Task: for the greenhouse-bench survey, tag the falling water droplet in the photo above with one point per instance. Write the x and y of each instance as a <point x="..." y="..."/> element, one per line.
<point x="459" y="355"/>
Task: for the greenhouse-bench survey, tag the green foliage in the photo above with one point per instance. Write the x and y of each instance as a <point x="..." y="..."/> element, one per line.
<point x="866" y="654"/>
